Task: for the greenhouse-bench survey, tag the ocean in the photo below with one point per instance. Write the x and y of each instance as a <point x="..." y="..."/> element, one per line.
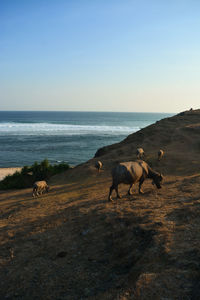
<point x="72" y="137"/>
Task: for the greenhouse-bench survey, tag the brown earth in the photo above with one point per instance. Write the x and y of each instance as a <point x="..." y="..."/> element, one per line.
<point x="74" y="244"/>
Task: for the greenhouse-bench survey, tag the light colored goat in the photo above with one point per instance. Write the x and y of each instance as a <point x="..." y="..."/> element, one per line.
<point x="160" y="154"/>
<point x="39" y="187"/>
<point x="98" y="165"/>
<point x="140" y="153"/>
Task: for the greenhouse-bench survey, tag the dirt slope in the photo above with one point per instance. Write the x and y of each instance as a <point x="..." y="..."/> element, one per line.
<point x="74" y="244"/>
<point x="178" y="136"/>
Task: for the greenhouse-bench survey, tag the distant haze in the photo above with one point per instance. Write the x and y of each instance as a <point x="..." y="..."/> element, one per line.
<point x="100" y="55"/>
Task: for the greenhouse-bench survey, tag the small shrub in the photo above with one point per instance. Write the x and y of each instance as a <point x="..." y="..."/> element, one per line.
<point x="28" y="175"/>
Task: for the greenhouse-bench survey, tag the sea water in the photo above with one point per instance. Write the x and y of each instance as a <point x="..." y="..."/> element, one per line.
<point x="72" y="137"/>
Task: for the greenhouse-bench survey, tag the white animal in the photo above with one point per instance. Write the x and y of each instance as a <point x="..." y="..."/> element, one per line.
<point x="140" y="153"/>
<point x="39" y="187"/>
<point x="160" y="154"/>
<point x="98" y="165"/>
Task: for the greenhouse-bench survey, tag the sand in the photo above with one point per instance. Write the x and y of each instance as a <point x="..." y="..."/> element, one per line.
<point x="8" y="171"/>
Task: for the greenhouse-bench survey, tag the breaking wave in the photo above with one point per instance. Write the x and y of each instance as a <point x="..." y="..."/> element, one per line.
<point x="62" y="129"/>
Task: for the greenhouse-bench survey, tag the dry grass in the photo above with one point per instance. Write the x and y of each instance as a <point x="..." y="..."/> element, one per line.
<point x="74" y="244"/>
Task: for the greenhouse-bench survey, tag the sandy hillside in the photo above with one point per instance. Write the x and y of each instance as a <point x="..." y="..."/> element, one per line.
<point x="74" y="244"/>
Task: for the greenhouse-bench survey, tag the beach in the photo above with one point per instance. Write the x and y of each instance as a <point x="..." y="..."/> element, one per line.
<point x="8" y="171"/>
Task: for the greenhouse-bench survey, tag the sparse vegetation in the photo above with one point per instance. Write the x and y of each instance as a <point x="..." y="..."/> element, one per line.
<point x="28" y="175"/>
<point x="73" y="244"/>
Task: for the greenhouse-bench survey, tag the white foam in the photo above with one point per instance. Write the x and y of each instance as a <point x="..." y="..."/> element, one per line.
<point x="62" y="129"/>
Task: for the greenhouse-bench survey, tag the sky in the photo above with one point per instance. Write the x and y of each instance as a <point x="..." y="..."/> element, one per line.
<point x="100" y="55"/>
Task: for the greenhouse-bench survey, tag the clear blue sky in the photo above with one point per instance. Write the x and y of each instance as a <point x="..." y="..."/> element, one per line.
<point x="105" y="55"/>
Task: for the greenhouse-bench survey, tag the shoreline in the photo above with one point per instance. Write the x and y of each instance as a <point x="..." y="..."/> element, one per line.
<point x="8" y="171"/>
<point x="4" y="171"/>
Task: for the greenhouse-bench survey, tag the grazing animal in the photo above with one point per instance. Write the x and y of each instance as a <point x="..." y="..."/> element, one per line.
<point x="132" y="172"/>
<point x="160" y="154"/>
<point x="98" y="165"/>
<point x="39" y="187"/>
<point x="140" y="153"/>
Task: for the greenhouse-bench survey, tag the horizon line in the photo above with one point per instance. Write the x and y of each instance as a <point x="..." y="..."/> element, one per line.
<point x="90" y="111"/>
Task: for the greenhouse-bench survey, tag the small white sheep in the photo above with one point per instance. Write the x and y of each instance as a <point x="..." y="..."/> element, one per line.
<point x="39" y="187"/>
<point x="140" y="153"/>
<point x="98" y="165"/>
<point x="160" y="154"/>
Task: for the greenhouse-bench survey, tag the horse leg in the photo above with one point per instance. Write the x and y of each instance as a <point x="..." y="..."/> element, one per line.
<point x="117" y="192"/>
<point x="140" y="185"/>
<point x="110" y="193"/>
<point x="129" y="190"/>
